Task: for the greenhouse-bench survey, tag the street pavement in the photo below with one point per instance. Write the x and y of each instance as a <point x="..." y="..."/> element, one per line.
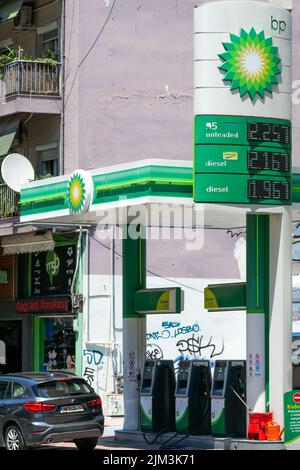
<point x="106" y="442"/>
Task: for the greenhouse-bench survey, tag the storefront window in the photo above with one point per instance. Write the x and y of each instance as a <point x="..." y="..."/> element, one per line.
<point x="59" y="344"/>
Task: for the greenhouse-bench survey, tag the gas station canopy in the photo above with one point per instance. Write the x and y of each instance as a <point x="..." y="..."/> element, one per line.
<point x="114" y="195"/>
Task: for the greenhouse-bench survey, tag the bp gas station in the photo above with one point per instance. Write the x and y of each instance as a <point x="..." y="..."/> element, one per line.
<point x="241" y="176"/>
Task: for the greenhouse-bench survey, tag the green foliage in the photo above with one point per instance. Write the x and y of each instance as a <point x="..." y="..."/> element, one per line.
<point x="9" y="57"/>
<point x="50" y="57"/>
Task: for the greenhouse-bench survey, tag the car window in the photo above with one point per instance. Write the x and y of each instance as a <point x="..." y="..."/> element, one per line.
<point x="3" y="388"/>
<point x="18" y="391"/>
<point x="64" y="388"/>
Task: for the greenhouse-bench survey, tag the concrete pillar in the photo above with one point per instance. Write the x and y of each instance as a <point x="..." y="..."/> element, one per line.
<point x="257" y="300"/>
<point x="280" y="310"/>
<point x="134" y="325"/>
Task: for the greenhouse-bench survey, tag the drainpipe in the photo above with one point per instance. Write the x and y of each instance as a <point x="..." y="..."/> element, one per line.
<point x="83" y="294"/>
<point x="112" y="339"/>
<point x="62" y="88"/>
<point x="86" y="284"/>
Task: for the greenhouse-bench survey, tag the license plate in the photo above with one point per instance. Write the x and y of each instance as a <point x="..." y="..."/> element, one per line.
<point x="71" y="409"/>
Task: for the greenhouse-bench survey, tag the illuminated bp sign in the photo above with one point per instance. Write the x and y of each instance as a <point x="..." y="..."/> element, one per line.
<point x="242" y="104"/>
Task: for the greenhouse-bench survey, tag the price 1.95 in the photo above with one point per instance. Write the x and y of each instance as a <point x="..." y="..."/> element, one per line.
<point x="268" y="189"/>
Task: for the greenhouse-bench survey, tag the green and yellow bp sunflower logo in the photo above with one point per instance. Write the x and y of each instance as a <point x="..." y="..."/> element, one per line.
<point x="78" y="192"/>
<point x="251" y="63"/>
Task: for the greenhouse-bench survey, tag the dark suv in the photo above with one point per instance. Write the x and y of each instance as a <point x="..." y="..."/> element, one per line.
<point x="39" y="408"/>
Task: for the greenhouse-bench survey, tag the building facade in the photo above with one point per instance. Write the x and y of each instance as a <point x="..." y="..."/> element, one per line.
<point x="87" y="85"/>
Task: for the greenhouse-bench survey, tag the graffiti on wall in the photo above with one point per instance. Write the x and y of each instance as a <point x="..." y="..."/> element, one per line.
<point x="182" y="342"/>
<point x="199" y="346"/>
<point x="172" y="330"/>
<point x="115" y="405"/>
<point x="93" y="367"/>
<point x="154" y="351"/>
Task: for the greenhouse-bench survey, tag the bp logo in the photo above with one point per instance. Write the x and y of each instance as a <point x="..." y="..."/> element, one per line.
<point x="79" y="192"/>
<point x="52" y="265"/>
<point x="251" y="63"/>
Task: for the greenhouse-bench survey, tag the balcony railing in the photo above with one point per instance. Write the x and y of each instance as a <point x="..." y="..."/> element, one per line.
<point x="28" y="77"/>
<point x="8" y="202"/>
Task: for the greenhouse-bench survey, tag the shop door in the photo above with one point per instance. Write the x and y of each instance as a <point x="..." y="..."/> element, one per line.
<point x="11" y="335"/>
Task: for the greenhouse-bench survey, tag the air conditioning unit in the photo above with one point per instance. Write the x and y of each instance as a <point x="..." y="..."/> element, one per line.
<point x="24" y="19"/>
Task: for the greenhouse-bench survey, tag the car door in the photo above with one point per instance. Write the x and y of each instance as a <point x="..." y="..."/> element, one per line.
<point x="16" y="395"/>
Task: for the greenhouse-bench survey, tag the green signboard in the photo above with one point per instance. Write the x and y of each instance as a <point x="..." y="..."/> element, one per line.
<point x="225" y="297"/>
<point x="152" y="301"/>
<point x="242" y="189"/>
<point x="292" y="417"/>
<point x="239" y="130"/>
<point x="242" y="160"/>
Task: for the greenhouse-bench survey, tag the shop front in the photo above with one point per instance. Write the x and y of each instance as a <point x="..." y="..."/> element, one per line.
<point x="53" y="333"/>
<point x="49" y="304"/>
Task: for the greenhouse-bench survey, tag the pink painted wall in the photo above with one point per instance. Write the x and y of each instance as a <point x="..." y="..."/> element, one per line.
<point x="130" y="97"/>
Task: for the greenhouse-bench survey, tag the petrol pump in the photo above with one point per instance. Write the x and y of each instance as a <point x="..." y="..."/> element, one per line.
<point x="228" y="412"/>
<point x="157" y="396"/>
<point x="193" y="403"/>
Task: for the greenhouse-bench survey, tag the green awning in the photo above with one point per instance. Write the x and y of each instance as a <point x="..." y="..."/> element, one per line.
<point x="9" y="9"/>
<point x="7" y="134"/>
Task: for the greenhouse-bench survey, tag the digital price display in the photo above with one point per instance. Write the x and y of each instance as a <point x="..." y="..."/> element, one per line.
<point x="269" y="189"/>
<point x="243" y="160"/>
<point x="272" y="161"/>
<point x="269" y="132"/>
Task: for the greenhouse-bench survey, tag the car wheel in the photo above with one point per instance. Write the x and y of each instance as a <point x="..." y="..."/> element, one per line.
<point x="14" y="439"/>
<point x="86" y="444"/>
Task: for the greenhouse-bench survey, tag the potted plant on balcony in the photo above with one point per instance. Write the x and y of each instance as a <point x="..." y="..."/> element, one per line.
<point x="23" y="73"/>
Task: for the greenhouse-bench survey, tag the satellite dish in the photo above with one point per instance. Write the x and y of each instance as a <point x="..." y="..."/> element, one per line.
<point x="16" y="170"/>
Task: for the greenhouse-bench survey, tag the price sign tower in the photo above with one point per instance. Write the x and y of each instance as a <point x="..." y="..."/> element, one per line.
<point x="243" y="157"/>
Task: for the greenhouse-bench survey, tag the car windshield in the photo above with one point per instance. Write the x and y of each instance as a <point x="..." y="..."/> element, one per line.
<point x="63" y="388"/>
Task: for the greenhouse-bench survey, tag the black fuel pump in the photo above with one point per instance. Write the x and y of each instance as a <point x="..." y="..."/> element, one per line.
<point x="229" y="413"/>
<point x="157" y="396"/>
<point x="193" y="403"/>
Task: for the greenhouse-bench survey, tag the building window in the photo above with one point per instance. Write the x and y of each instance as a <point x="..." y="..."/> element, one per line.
<point x="49" y="41"/>
<point x="48" y="156"/>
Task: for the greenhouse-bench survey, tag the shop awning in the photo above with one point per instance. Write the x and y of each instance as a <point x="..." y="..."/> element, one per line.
<point x="27" y="243"/>
<point x="7" y="135"/>
<point x="9" y="9"/>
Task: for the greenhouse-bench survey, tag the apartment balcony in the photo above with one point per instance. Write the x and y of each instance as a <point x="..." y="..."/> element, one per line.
<point x="30" y="86"/>
<point x="9" y="202"/>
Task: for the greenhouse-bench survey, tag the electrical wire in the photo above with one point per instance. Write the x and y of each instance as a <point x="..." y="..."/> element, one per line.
<point x="151" y="272"/>
<point x="163" y="431"/>
<point x="171" y="427"/>
<point x="163" y="446"/>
